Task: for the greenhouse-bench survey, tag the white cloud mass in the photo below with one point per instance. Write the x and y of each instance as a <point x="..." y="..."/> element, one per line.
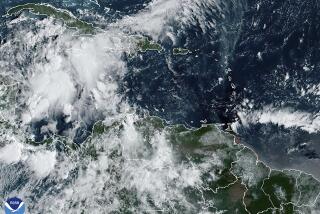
<point x="285" y="117"/>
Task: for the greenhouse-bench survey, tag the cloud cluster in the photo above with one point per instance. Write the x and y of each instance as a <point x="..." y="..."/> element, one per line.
<point x="161" y="17"/>
<point x="61" y="74"/>
<point x="76" y="77"/>
<point x="127" y="165"/>
<point x="286" y="117"/>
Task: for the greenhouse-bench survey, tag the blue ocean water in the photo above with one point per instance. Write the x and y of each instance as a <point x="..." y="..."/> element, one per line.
<point x="248" y="55"/>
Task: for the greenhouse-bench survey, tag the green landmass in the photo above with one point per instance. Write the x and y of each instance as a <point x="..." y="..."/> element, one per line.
<point x="280" y="188"/>
<point x="144" y="44"/>
<point x="47" y="10"/>
<point x="98" y="128"/>
<point x="180" y="51"/>
<point x="256" y="200"/>
<point x="237" y="184"/>
<point x="309" y="189"/>
<point x="230" y="199"/>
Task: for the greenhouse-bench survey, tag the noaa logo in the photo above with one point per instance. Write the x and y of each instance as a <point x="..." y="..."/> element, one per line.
<point x="14" y="205"/>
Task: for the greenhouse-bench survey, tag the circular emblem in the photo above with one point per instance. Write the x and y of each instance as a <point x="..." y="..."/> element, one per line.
<point x="14" y="205"/>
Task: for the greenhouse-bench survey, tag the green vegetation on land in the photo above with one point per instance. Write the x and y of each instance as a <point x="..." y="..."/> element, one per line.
<point x="227" y="184"/>
<point x="256" y="200"/>
<point x="145" y="44"/>
<point x="47" y="10"/>
<point x="280" y="188"/>
<point x="98" y="128"/>
<point x="230" y="198"/>
<point x="180" y="51"/>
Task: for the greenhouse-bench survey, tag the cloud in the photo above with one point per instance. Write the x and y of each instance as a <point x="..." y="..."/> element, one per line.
<point x="11" y="153"/>
<point x="286" y="117"/>
<point x="42" y="163"/>
<point x="160" y="17"/>
<point x="77" y="76"/>
<point x="51" y="89"/>
<point x="154" y="19"/>
<point x="65" y="74"/>
<point x="148" y="171"/>
<point x="61" y="73"/>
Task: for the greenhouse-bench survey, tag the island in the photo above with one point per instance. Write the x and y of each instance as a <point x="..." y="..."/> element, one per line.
<point x="48" y="10"/>
<point x="144" y="44"/>
<point x="180" y="51"/>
